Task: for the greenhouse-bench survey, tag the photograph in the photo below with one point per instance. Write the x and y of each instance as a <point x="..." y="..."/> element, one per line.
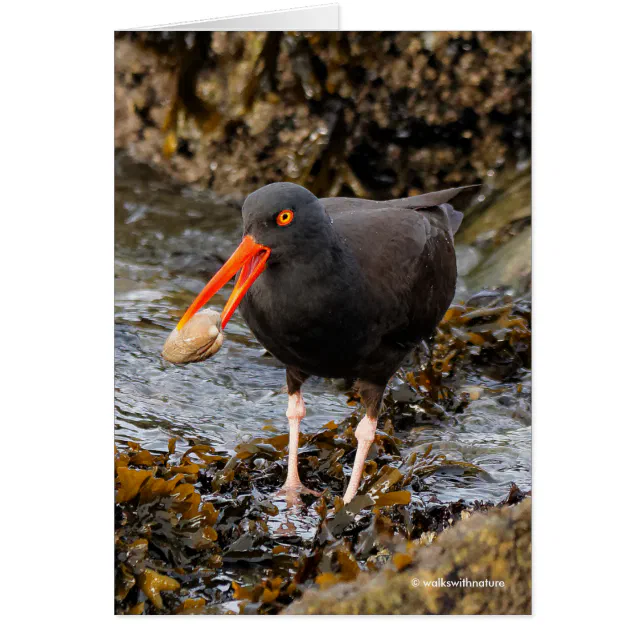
<point x="322" y="323"/>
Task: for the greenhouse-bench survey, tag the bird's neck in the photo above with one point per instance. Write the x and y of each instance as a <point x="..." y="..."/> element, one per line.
<point x="327" y="265"/>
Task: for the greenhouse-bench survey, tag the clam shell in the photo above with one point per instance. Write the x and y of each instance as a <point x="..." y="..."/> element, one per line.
<point x="200" y="338"/>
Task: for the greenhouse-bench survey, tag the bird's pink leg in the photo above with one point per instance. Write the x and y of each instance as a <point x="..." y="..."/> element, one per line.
<point x="294" y="412"/>
<point x="365" y="433"/>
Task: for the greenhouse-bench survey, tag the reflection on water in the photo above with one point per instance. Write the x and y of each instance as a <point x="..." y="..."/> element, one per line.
<point x="169" y="242"/>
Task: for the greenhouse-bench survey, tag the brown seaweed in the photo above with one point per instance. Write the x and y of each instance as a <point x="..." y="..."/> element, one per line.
<point x="203" y="529"/>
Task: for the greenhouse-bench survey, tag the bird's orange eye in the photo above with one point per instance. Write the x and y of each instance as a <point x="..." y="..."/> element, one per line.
<point x="285" y="218"/>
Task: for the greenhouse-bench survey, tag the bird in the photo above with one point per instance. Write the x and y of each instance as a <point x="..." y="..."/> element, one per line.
<point x="339" y="287"/>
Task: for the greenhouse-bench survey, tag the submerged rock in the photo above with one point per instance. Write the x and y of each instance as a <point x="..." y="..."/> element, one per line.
<point x="199" y="339"/>
<point x="482" y="566"/>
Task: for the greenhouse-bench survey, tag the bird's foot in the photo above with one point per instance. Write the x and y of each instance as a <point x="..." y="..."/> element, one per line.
<point x="299" y="488"/>
<point x="347" y="498"/>
<point x="292" y="492"/>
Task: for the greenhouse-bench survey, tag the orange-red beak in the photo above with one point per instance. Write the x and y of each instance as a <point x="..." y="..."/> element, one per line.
<point x="251" y="258"/>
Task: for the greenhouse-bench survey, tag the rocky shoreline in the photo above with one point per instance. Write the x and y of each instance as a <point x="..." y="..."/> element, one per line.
<point x="199" y="529"/>
<point x="481" y="566"/>
<point x="204" y="531"/>
<point x="377" y="115"/>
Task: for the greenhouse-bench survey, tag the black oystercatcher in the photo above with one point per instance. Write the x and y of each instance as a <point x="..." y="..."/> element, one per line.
<point x="340" y="288"/>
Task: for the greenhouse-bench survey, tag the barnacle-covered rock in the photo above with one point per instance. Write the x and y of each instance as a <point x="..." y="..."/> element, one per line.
<point x="373" y="114"/>
<point x="482" y="566"/>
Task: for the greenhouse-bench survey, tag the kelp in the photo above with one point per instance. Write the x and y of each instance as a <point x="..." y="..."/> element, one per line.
<point x="183" y="548"/>
<point x="205" y="530"/>
<point x="483" y="566"/>
<point x="486" y="337"/>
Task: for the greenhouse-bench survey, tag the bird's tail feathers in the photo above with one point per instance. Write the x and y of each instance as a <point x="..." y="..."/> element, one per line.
<point x="430" y="199"/>
<point x="454" y="217"/>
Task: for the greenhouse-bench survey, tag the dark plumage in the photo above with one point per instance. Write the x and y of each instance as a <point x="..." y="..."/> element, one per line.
<point x="357" y="284"/>
<point x="349" y="287"/>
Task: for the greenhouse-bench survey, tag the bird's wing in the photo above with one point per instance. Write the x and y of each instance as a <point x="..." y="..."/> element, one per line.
<point x="407" y="257"/>
<point x="435" y="204"/>
<point x="429" y="199"/>
<point x="390" y="246"/>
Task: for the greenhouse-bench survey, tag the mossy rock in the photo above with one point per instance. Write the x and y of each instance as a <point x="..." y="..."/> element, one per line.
<point x="370" y="114"/>
<point x="495" y="546"/>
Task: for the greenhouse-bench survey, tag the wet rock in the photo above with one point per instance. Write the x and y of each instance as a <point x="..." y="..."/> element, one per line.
<point x="210" y="519"/>
<point x="212" y="529"/>
<point x="508" y="266"/>
<point x="495" y="547"/>
<point x="199" y="339"/>
<point x="506" y="199"/>
<point x="373" y="114"/>
<point x="498" y="234"/>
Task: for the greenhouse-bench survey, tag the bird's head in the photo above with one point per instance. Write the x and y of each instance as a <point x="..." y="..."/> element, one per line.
<point x="284" y="217"/>
<point x="280" y="221"/>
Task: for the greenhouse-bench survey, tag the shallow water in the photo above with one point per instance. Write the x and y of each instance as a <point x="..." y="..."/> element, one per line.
<point x="169" y="242"/>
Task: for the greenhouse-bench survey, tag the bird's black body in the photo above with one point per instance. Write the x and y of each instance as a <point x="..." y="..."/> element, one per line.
<point x="341" y="288"/>
<point x="351" y="286"/>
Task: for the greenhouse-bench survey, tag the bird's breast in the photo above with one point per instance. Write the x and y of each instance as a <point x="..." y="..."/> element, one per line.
<point x="314" y="322"/>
